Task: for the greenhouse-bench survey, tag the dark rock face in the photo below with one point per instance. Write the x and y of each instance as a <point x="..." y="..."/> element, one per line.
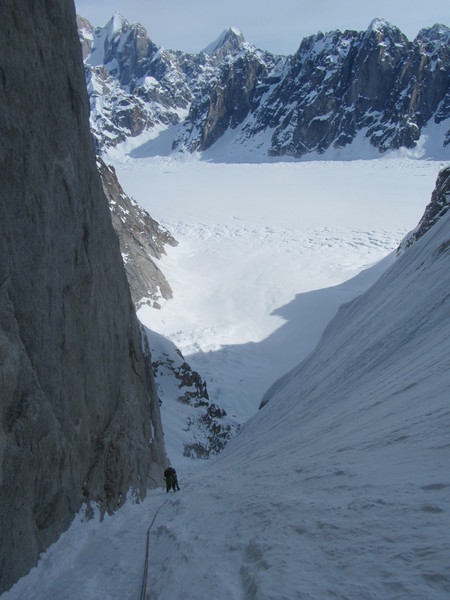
<point x="342" y="84"/>
<point x="86" y="35"/>
<point x="226" y="100"/>
<point x="79" y="414"/>
<point x="206" y="426"/>
<point x="133" y="86"/>
<point x="374" y="84"/>
<point x="436" y="209"/>
<point x="141" y="239"/>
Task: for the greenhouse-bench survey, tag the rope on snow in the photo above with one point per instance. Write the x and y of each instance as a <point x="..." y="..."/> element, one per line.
<point x="144" y="582"/>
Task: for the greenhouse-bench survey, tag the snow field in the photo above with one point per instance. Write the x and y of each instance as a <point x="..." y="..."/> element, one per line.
<point x="266" y="254"/>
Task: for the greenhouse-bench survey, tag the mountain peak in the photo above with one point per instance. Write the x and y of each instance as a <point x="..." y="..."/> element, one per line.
<point x="115" y="23"/>
<point x="230" y="39"/>
<point x="380" y="29"/>
<point x="437" y="32"/>
<point x="379" y="25"/>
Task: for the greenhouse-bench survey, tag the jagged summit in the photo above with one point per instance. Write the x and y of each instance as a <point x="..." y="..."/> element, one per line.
<point x="116" y="23"/>
<point x="437" y="32"/>
<point x="118" y="26"/>
<point x="383" y="31"/>
<point x="380" y="25"/>
<point x="344" y="94"/>
<point x="229" y="40"/>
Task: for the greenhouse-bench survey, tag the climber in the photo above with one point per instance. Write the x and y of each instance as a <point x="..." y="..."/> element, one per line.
<point x="170" y="475"/>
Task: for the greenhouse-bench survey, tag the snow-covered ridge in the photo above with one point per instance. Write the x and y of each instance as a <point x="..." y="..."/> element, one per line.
<point x="231" y="37"/>
<point x="339" y="88"/>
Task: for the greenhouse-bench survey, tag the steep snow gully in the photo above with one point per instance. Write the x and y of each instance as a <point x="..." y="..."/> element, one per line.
<point x="338" y="488"/>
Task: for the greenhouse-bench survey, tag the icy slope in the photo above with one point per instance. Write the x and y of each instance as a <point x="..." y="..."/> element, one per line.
<point x="340" y="486"/>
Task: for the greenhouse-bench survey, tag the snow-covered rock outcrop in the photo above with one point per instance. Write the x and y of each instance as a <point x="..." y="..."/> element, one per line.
<point x="436" y="209"/>
<point x="142" y="240"/>
<point x="374" y="90"/>
<point x="374" y="84"/>
<point x="133" y="86"/>
<point x="196" y="427"/>
<point x="79" y="413"/>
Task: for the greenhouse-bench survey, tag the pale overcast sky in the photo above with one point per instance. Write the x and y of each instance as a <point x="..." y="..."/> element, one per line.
<point x="274" y="25"/>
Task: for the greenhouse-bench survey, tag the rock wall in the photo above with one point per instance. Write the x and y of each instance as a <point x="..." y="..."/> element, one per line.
<point x="435" y="210"/>
<point x="141" y="239"/>
<point x="79" y="415"/>
<point x="204" y="428"/>
<point x="374" y="87"/>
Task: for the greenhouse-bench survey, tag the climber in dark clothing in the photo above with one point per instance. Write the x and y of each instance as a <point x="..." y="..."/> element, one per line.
<point x="170" y="475"/>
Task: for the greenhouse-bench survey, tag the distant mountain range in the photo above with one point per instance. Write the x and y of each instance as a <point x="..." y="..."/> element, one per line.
<point x="341" y="95"/>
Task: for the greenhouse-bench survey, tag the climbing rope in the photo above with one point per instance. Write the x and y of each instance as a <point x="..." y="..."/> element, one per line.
<point x="144" y="582"/>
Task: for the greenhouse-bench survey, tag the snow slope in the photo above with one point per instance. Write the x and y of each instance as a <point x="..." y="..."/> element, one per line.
<point x="339" y="487"/>
<point x="266" y="255"/>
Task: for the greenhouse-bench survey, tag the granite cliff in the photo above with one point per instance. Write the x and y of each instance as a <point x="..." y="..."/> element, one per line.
<point x="435" y="210"/>
<point x="141" y="239"/>
<point x="349" y="94"/>
<point x="79" y="414"/>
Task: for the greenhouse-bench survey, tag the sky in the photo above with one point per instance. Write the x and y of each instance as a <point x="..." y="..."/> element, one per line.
<point x="274" y="25"/>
